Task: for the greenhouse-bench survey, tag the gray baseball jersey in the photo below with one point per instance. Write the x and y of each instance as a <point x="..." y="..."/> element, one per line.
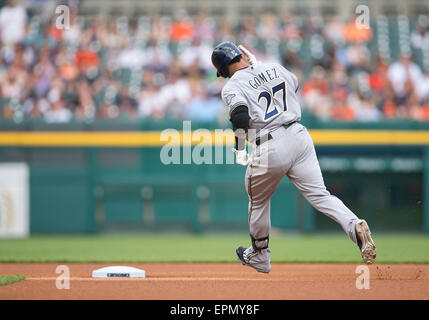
<point x="269" y="92"/>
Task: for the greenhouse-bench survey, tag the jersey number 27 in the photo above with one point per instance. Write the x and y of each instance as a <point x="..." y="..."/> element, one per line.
<point x="270" y="97"/>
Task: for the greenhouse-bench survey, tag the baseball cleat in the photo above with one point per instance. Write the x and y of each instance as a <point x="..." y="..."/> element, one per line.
<point x="255" y="259"/>
<point x="240" y="253"/>
<point x="365" y="242"/>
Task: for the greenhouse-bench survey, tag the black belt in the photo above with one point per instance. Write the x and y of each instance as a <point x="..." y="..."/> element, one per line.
<point x="258" y="140"/>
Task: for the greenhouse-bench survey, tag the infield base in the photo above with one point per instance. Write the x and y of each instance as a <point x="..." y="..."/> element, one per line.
<point x="118" y="272"/>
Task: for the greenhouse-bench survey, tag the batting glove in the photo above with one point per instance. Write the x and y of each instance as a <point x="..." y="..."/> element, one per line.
<point x="241" y="157"/>
<point x="250" y="57"/>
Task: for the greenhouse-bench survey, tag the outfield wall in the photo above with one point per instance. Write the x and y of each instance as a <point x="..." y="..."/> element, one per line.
<point x="108" y="176"/>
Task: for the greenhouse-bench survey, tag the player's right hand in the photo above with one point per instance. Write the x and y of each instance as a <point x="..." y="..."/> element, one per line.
<point x="250" y="57"/>
<point x="241" y="157"/>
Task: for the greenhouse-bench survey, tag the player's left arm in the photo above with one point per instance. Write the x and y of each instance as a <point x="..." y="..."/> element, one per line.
<point x="239" y="117"/>
<point x="240" y="125"/>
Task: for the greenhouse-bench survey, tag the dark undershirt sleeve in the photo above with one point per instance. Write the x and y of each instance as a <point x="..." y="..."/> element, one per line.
<point x="240" y="124"/>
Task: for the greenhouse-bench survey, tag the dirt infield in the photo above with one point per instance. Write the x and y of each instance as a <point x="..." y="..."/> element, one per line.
<point x="213" y="281"/>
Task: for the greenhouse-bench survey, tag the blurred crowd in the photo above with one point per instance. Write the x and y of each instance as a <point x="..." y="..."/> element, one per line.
<point x="159" y="67"/>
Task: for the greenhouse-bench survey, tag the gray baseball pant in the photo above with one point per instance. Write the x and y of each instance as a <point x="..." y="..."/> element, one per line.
<point x="290" y="152"/>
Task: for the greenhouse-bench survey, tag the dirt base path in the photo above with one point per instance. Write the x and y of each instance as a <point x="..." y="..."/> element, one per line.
<point x="213" y="281"/>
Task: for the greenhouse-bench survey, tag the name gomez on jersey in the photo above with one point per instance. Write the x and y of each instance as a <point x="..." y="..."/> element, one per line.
<point x="269" y="92"/>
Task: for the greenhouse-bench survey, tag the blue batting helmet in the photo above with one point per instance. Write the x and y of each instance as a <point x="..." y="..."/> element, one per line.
<point x="222" y="56"/>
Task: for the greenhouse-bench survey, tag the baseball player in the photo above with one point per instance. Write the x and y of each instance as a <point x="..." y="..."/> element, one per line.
<point x="264" y="110"/>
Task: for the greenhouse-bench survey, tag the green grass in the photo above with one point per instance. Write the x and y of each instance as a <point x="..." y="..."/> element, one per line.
<point x="9" y="279"/>
<point x="391" y="248"/>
